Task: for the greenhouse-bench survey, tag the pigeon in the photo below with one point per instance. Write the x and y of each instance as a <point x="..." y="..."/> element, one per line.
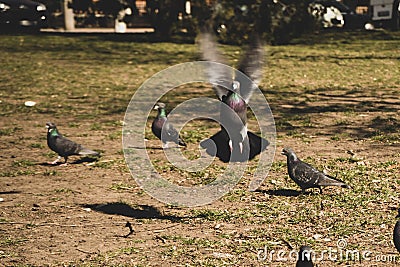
<point x="307" y="176"/>
<point x="304" y="258"/>
<point x="63" y="146"/>
<point x="170" y="134"/>
<point x="234" y="142"/>
<point x="396" y="233"/>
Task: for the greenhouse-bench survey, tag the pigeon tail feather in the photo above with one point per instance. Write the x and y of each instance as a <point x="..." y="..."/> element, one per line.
<point x="330" y="181"/>
<point x="85" y="151"/>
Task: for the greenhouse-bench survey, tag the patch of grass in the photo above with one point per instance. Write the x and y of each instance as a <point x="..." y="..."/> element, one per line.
<point x="50" y="173"/>
<point x="23" y="163"/>
<point x="73" y="125"/>
<point x="16" y="173"/>
<point x="36" y="145"/>
<point x="121" y="186"/>
<point x="386" y="138"/>
<point x="115" y="135"/>
<point x="194" y="136"/>
<point x="105" y="164"/>
<point x="342" y="122"/>
<point x="96" y="126"/>
<point x="213" y="215"/>
<point x="9" y="131"/>
<point x="9" y="241"/>
<point x="64" y="190"/>
<point x="50" y="154"/>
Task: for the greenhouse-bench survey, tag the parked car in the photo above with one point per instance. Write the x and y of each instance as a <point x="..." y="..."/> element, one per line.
<point x="22" y="14"/>
<point x="336" y="14"/>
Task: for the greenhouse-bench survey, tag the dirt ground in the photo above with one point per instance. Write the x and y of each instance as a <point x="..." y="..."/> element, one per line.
<point x="76" y="215"/>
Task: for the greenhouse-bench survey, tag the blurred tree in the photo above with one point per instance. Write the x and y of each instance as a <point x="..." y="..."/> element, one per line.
<point x="110" y="7"/>
<point x="278" y="21"/>
<point x="165" y="16"/>
<point x="291" y="20"/>
<point x="81" y="5"/>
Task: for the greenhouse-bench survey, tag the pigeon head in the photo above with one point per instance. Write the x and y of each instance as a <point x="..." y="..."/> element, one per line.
<point x="235" y="86"/>
<point x="161" y="109"/>
<point x="50" y="125"/>
<point x="159" y="105"/>
<point x="305" y="253"/>
<point x="51" y="128"/>
<point x="289" y="153"/>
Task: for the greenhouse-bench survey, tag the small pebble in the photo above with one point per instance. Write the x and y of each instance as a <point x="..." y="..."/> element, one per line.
<point x="30" y="103"/>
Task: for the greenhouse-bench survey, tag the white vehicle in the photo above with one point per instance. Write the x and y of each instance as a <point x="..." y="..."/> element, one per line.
<point x="385" y="13"/>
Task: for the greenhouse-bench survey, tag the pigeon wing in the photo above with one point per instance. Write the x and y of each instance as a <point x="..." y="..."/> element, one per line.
<point x="170" y="133"/>
<point x="251" y="65"/>
<point x="156" y="127"/>
<point x="305" y="173"/>
<point x="219" y="74"/>
<point x="66" y="147"/>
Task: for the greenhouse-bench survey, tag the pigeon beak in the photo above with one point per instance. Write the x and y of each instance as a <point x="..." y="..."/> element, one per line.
<point x="230" y="145"/>
<point x="241" y="148"/>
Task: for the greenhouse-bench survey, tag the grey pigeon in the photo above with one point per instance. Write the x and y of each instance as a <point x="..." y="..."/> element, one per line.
<point x="396" y="233"/>
<point x="63" y="146"/>
<point x="304" y="258"/>
<point x="307" y="176"/>
<point x="239" y="144"/>
<point x="169" y="134"/>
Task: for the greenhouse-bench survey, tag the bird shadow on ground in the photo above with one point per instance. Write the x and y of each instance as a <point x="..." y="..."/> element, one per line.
<point x="9" y="192"/>
<point x="148" y="147"/>
<point x="282" y="192"/>
<point x="78" y="161"/>
<point x="85" y="160"/>
<point x="139" y="212"/>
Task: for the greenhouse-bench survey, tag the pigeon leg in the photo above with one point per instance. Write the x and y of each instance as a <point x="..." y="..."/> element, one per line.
<point x="320" y="190"/>
<point x="55" y="161"/>
<point x="165" y="145"/>
<point x="65" y="162"/>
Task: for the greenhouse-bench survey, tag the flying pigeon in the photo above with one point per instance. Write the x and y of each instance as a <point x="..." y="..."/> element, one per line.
<point x="396" y="233"/>
<point x="307" y="176"/>
<point x="304" y="258"/>
<point x="63" y="146"/>
<point x="234" y="141"/>
<point x="169" y="134"/>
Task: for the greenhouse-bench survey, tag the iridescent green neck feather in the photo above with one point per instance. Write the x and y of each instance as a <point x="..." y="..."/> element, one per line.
<point x="235" y="96"/>
<point x="54" y="132"/>
<point x="162" y="113"/>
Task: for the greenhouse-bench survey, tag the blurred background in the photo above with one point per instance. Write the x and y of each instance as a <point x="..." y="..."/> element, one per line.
<point x="278" y="20"/>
